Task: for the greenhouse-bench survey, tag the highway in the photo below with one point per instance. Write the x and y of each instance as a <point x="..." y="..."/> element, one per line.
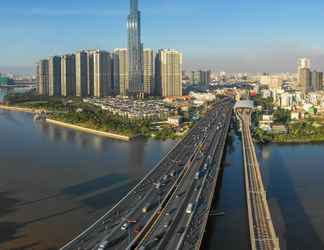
<point x="176" y="227"/>
<point x="126" y="222"/>
<point x="262" y="232"/>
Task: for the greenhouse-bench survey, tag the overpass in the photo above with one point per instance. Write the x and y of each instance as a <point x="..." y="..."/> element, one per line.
<point x="261" y="229"/>
<point x="176" y="227"/>
<point x="129" y="223"/>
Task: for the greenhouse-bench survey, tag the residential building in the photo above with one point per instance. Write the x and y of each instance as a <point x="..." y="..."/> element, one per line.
<point x="90" y="72"/>
<point x="68" y="75"/>
<point x="42" y="78"/>
<point x="204" y="76"/>
<point x="81" y="70"/>
<point x="148" y="72"/>
<point x="135" y="50"/>
<point x="102" y="74"/>
<point x="54" y="75"/>
<point x="194" y="77"/>
<point x="168" y="73"/>
<point x="120" y="74"/>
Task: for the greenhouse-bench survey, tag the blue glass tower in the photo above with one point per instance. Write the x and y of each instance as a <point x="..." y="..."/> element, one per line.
<point x="135" y="50"/>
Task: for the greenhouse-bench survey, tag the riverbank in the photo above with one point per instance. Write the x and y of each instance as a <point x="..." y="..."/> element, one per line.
<point x="90" y="131"/>
<point x="17" y="109"/>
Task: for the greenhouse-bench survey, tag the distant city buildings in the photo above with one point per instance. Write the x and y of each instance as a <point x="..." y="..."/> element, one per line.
<point x="308" y="80"/>
<point x="200" y="77"/>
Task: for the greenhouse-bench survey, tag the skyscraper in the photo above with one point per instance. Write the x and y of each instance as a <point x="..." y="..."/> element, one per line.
<point x="81" y="70"/>
<point x="102" y="63"/>
<point x="302" y="63"/>
<point x="135" y="50"/>
<point x="42" y="78"/>
<point x="305" y="77"/>
<point x="168" y="73"/>
<point x="68" y="75"/>
<point x="121" y="72"/>
<point x="54" y="69"/>
<point x="148" y="75"/>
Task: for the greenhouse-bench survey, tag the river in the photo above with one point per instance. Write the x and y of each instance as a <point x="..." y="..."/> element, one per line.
<point x="54" y="181"/>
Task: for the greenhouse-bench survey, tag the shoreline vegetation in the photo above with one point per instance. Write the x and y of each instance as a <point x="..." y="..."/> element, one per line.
<point x="308" y="130"/>
<point x="84" y="117"/>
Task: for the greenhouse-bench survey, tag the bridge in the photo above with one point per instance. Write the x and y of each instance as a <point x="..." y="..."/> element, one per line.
<point x="173" y="200"/>
<point x="262" y="232"/>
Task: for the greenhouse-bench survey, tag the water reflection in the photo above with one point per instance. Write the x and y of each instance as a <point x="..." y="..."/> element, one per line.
<point x="291" y="213"/>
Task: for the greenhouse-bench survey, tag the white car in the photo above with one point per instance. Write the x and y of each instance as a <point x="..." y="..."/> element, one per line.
<point x="124" y="226"/>
<point x="103" y="245"/>
<point x="189" y="208"/>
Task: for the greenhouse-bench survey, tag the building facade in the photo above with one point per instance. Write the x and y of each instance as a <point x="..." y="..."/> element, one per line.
<point x="168" y="73"/>
<point x="81" y="70"/>
<point x="42" y="78"/>
<point x="68" y="75"/>
<point x="204" y="76"/>
<point x="54" y="68"/>
<point x="305" y="77"/>
<point x="148" y="72"/>
<point x="120" y="76"/>
<point x="102" y="74"/>
<point x="317" y="81"/>
<point x="135" y="50"/>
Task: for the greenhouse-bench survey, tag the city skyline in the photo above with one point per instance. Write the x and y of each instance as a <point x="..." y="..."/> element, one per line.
<point x="196" y="21"/>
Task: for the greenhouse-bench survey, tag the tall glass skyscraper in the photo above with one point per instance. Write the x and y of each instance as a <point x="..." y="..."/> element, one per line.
<point x="135" y="50"/>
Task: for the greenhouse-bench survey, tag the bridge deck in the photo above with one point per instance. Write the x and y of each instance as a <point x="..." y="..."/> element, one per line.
<point x="262" y="232"/>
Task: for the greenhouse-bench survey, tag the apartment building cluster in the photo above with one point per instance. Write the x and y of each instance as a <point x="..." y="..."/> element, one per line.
<point x="99" y="73"/>
<point x="308" y="80"/>
<point x="200" y="77"/>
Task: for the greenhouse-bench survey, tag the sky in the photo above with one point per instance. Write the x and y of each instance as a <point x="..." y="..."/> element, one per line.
<point x="222" y="35"/>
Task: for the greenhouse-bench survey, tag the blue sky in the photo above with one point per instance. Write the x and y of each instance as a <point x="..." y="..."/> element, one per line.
<point x="237" y="35"/>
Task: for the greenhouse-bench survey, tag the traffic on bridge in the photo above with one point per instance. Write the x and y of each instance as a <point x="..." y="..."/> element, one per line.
<point x="175" y="194"/>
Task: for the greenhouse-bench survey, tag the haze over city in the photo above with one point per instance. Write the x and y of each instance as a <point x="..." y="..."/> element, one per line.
<point x="245" y="36"/>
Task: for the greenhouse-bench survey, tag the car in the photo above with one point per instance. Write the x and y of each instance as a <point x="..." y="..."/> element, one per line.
<point x="189" y="208"/>
<point x="124" y="226"/>
<point x="146" y="208"/>
<point x="103" y="245"/>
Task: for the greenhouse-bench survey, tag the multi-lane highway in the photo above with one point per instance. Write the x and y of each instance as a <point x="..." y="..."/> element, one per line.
<point x="182" y="222"/>
<point x="262" y="232"/>
<point x="125" y="224"/>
